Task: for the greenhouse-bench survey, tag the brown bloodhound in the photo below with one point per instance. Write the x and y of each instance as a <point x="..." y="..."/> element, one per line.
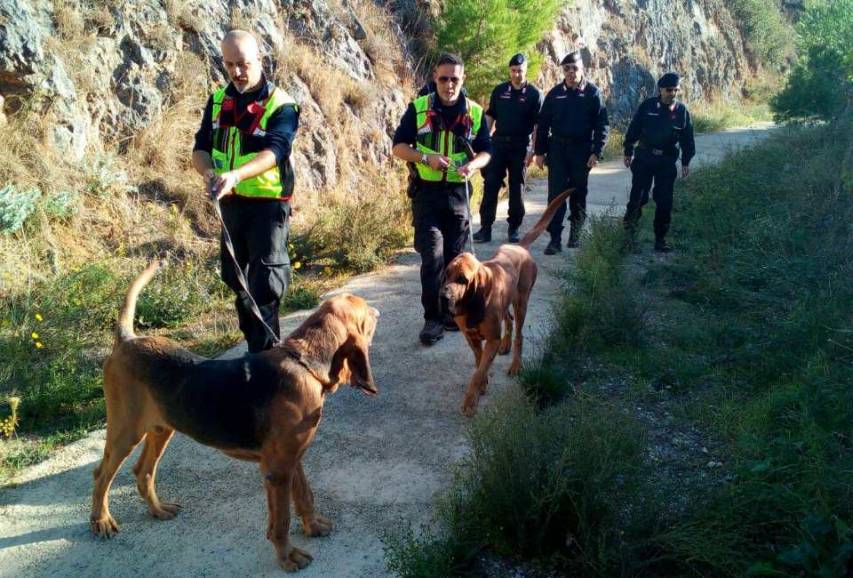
<point x="479" y="296"/>
<point x="263" y="407"/>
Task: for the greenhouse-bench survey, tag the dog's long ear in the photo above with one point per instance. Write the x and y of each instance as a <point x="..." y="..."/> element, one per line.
<point x="352" y="363"/>
<point x="475" y="299"/>
<point x="361" y="375"/>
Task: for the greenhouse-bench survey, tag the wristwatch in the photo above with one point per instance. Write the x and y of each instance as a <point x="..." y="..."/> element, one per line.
<point x="424" y="159"/>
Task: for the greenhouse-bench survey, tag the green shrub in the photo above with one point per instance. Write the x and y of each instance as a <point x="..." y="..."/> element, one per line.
<point x="15" y="207"/>
<point x="821" y="84"/>
<point x="768" y="35"/>
<point x="602" y="308"/>
<point x="425" y="555"/>
<point x="549" y="484"/>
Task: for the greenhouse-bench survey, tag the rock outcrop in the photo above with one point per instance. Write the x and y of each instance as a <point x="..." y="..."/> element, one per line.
<point x="627" y="44"/>
<point x="101" y="72"/>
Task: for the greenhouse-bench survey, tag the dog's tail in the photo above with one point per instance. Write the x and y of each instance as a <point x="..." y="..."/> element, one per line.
<point x="539" y="227"/>
<point x="124" y="326"/>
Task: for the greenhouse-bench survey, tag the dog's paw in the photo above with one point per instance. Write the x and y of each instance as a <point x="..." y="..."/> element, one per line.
<point x="319" y="526"/>
<point x="296" y="560"/>
<point x="165" y="511"/>
<point x="514" y="368"/>
<point x="104" y="527"/>
<point x="469" y="408"/>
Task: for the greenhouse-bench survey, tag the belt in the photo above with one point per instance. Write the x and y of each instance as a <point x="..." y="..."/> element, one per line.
<point x="671" y="151"/>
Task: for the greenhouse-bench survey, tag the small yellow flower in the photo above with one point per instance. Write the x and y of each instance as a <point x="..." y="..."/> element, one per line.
<point x="39" y="317"/>
<point x="35" y="335"/>
<point x="39" y="344"/>
<point x="297" y="265"/>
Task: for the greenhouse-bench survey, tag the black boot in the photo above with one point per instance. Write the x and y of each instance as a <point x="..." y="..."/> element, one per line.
<point x="512" y="234"/>
<point x="484" y="235"/>
<point x="661" y="246"/>
<point x="432" y="332"/>
<point x="574" y="236"/>
<point x="554" y="246"/>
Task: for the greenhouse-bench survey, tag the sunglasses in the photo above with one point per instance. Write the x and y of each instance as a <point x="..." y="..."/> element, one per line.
<point x="446" y="79"/>
<point x="676" y="89"/>
<point x="568" y="67"/>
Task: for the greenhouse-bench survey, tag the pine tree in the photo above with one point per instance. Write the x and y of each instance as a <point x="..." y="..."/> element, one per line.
<point x="486" y="33"/>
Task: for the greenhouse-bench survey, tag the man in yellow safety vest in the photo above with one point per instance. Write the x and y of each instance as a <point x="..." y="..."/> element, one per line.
<point x="444" y="134"/>
<point x="243" y="152"/>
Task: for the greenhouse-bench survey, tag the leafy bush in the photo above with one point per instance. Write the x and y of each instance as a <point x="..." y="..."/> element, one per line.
<point x="15" y="207"/>
<point x="546" y="484"/>
<point x="768" y="35"/>
<point x="821" y="84"/>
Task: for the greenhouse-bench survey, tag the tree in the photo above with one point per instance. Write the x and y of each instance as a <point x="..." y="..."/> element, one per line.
<point x="486" y="33"/>
<point x="821" y="84"/>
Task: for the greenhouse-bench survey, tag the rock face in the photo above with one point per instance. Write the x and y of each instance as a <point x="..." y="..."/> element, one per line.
<point x="101" y="72"/>
<point x="627" y="44"/>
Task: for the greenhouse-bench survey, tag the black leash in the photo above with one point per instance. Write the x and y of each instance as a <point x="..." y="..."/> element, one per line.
<point x="241" y="277"/>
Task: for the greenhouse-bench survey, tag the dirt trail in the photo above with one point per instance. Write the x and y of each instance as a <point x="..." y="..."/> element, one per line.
<point x="376" y="462"/>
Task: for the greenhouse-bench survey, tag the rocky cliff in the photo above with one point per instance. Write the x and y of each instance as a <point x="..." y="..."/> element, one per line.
<point x="628" y="44"/>
<point x="99" y="73"/>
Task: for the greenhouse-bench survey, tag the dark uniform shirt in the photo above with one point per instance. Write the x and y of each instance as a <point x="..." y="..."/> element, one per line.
<point x="280" y="130"/>
<point x="574" y="115"/>
<point x="655" y="126"/>
<point x="515" y="110"/>
<point x="407" y="132"/>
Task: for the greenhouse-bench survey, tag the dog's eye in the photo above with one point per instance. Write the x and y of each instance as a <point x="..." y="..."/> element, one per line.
<point x="462" y="280"/>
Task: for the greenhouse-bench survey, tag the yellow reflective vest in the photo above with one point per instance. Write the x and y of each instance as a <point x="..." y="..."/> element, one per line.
<point x="434" y="138"/>
<point x="228" y="140"/>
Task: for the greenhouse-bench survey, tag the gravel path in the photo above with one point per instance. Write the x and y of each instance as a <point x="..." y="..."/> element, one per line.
<point x="376" y="462"/>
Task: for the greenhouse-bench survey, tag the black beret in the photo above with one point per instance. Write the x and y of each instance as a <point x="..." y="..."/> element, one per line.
<point x="572" y="57"/>
<point x="517" y="60"/>
<point x="668" y="80"/>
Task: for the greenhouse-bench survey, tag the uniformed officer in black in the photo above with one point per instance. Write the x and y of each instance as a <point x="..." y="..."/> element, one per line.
<point x="513" y="111"/>
<point x="659" y="128"/>
<point x="440" y="212"/>
<point x="570" y="136"/>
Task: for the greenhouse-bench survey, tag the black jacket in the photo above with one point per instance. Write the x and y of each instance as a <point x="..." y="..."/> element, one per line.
<point x="576" y="116"/>
<point x="654" y="126"/>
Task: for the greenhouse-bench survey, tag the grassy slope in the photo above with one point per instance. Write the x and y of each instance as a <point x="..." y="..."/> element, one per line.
<point x="729" y="363"/>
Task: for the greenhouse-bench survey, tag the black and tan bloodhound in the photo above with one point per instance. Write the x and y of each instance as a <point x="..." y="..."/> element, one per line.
<point x="263" y="407"/>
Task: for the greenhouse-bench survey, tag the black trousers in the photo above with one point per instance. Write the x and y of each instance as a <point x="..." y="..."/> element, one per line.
<point x="507" y="158"/>
<point x="259" y="230"/>
<point x="645" y="170"/>
<point x="566" y="169"/>
<point x="440" y="218"/>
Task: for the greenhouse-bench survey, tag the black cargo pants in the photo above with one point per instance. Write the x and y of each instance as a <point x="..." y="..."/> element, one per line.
<point x="646" y="169"/>
<point x="507" y="159"/>
<point x="259" y="230"/>
<point x="567" y="168"/>
<point x="440" y="218"/>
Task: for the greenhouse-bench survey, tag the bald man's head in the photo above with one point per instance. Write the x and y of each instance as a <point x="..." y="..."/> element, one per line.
<point x="242" y="60"/>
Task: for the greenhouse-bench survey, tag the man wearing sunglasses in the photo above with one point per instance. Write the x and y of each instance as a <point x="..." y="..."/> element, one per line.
<point x="445" y="136"/>
<point x="659" y="128"/>
<point x="242" y="150"/>
<point x="570" y="136"/>
<point x="513" y="111"/>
